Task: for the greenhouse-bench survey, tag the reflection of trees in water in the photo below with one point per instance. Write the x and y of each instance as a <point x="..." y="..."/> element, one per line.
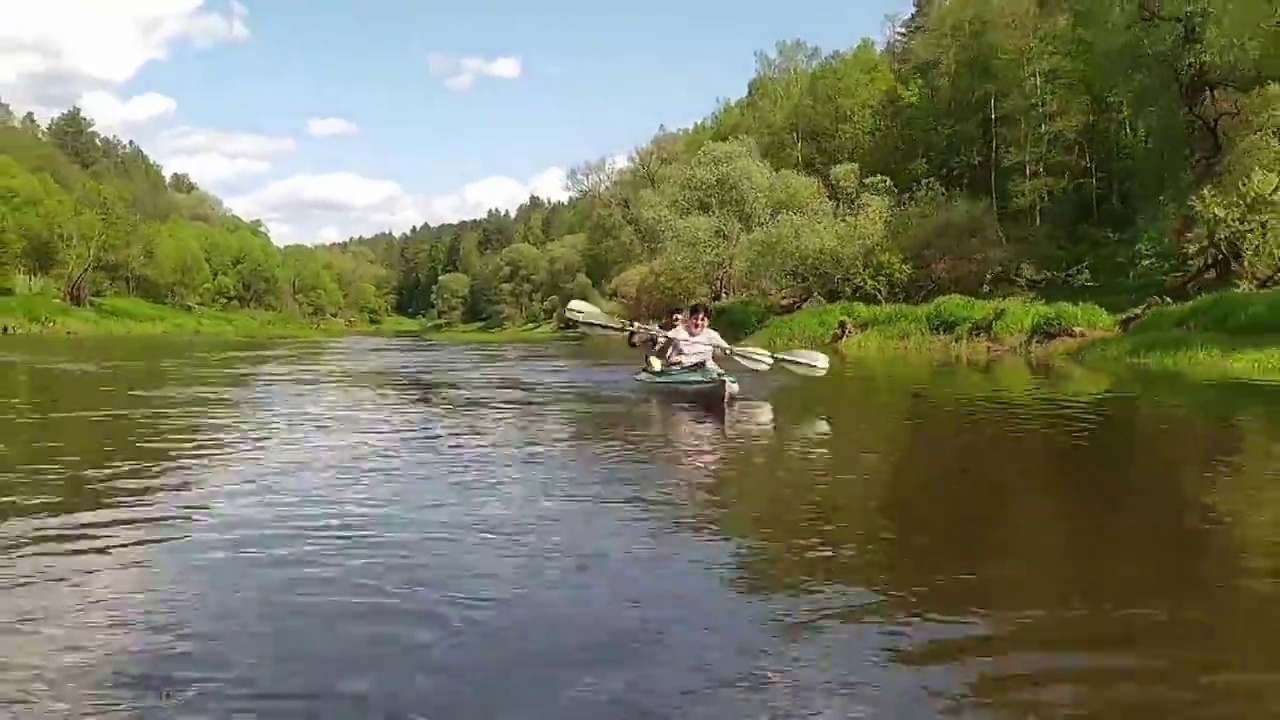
<point x="803" y="513"/>
<point x="92" y="432"/>
<point x="84" y="425"/>
<point x="1067" y="526"/>
<point x="1245" y="491"/>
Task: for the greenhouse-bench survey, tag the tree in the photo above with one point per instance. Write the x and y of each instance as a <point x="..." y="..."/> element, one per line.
<point x="450" y="296"/>
<point x="990" y="147"/>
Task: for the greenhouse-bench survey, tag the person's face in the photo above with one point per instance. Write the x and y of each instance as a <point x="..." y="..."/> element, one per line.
<point x="696" y="323"/>
<point x="674" y="319"/>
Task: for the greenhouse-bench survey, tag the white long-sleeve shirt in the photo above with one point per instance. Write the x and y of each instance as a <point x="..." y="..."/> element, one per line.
<point x="695" y="348"/>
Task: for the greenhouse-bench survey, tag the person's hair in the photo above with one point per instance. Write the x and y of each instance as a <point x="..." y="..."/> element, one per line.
<point x="700" y="309"/>
<point x="668" y="322"/>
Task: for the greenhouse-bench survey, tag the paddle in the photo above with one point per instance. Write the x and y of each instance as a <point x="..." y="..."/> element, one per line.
<point x="577" y="308"/>
<point x="596" y="321"/>
<point x="803" y="362"/>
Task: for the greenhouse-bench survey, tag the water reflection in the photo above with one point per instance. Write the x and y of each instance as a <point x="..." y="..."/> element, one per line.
<point x="375" y="528"/>
<point x="1069" y="552"/>
<point x="101" y="447"/>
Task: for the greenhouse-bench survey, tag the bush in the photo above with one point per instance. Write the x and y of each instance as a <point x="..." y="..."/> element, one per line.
<point x="736" y="319"/>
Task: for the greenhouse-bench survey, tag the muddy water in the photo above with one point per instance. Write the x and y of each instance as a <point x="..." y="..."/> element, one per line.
<point x="400" y="529"/>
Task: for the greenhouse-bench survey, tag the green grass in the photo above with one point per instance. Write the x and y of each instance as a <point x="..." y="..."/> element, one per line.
<point x="37" y="314"/>
<point x="953" y="322"/>
<point x="1226" y="334"/>
<point x="480" y="332"/>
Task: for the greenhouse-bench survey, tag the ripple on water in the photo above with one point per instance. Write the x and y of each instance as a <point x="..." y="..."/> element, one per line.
<point x="380" y="528"/>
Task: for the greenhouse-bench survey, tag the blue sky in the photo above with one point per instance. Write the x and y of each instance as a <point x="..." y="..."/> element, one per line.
<point x="597" y="78"/>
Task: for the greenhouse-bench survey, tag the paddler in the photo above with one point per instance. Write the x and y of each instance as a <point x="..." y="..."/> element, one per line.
<point x="694" y="344"/>
<point x="657" y="345"/>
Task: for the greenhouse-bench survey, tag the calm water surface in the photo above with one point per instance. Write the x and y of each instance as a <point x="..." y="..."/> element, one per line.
<point x="400" y="529"/>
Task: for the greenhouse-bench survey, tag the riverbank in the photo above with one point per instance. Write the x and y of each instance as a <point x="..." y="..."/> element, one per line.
<point x="480" y="332"/>
<point x="1223" y="334"/>
<point x="40" y="315"/>
<point x="955" y="324"/>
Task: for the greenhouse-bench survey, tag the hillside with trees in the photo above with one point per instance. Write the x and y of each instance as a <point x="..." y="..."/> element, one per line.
<point x="83" y="214"/>
<point x="1082" y="148"/>
<point x="1068" y="149"/>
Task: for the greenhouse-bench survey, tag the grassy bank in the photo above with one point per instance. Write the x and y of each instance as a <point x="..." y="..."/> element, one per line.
<point x="34" y="314"/>
<point x="957" y="324"/>
<point x="1227" y="334"/>
<point x="1223" y="334"/>
<point x="480" y="332"/>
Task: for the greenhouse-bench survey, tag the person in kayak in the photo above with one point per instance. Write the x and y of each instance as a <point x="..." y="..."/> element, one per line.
<point x="657" y="345"/>
<point x="694" y="344"/>
<point x="643" y="338"/>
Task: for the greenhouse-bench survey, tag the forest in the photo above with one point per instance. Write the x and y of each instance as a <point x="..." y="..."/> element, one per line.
<point x="83" y="215"/>
<point x="1080" y="149"/>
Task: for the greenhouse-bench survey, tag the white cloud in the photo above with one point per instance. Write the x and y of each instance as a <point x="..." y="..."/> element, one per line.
<point x="461" y="73"/>
<point x="53" y="52"/>
<point x="325" y="127"/>
<point x="213" y="171"/>
<point x="59" y="52"/>
<point x="218" y="159"/>
<point x="119" y="117"/>
<point x="185" y="139"/>
<point x="322" y="208"/>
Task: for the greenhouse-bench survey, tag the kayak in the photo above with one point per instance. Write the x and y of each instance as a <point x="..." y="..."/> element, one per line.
<point x="702" y="382"/>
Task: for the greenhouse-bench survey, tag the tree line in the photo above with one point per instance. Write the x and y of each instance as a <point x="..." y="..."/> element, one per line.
<point x="1072" y="148"/>
<point x="986" y="147"/>
<point x="85" y="214"/>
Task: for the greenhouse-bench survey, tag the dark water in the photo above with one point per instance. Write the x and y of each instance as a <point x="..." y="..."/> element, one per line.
<point x="398" y="529"/>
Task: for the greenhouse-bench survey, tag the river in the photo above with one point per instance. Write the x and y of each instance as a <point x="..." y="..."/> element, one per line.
<point x="400" y="529"/>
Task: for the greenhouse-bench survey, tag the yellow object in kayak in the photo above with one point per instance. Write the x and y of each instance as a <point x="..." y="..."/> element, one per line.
<point x="654" y="363"/>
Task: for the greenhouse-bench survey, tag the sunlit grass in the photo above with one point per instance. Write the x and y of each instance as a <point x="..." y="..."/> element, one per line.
<point x="964" y="324"/>
<point x="1227" y="334"/>
<point x="36" y="314"/>
<point x="1223" y="334"/>
<point x="1210" y="354"/>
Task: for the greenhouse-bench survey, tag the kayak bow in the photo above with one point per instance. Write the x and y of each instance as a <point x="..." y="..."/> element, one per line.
<point x="703" y="383"/>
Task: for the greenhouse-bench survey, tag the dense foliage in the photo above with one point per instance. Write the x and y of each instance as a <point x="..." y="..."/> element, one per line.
<point x="990" y="147"/>
<point x="84" y="214"/>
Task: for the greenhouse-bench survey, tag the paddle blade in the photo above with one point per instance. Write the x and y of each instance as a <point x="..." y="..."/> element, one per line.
<point x="578" y="308"/>
<point x="752" y="362"/>
<point x="752" y="358"/>
<point x="806" y="370"/>
<point x="808" y="358"/>
<point x="597" y="323"/>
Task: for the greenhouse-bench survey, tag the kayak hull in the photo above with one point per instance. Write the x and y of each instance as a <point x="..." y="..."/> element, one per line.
<point x="698" y="383"/>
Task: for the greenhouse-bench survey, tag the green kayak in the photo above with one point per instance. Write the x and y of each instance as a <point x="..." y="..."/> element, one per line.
<point x="702" y="382"/>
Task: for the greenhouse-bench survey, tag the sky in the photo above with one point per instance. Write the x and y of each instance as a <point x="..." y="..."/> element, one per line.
<point x="332" y="118"/>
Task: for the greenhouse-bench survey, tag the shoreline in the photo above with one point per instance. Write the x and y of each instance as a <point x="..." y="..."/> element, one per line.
<point x="42" y="316"/>
<point x="38" y="316"/>
<point x="1229" y="334"/>
<point x="479" y="332"/>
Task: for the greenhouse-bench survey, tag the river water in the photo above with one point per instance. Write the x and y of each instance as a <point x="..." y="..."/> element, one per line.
<point x="373" y="528"/>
